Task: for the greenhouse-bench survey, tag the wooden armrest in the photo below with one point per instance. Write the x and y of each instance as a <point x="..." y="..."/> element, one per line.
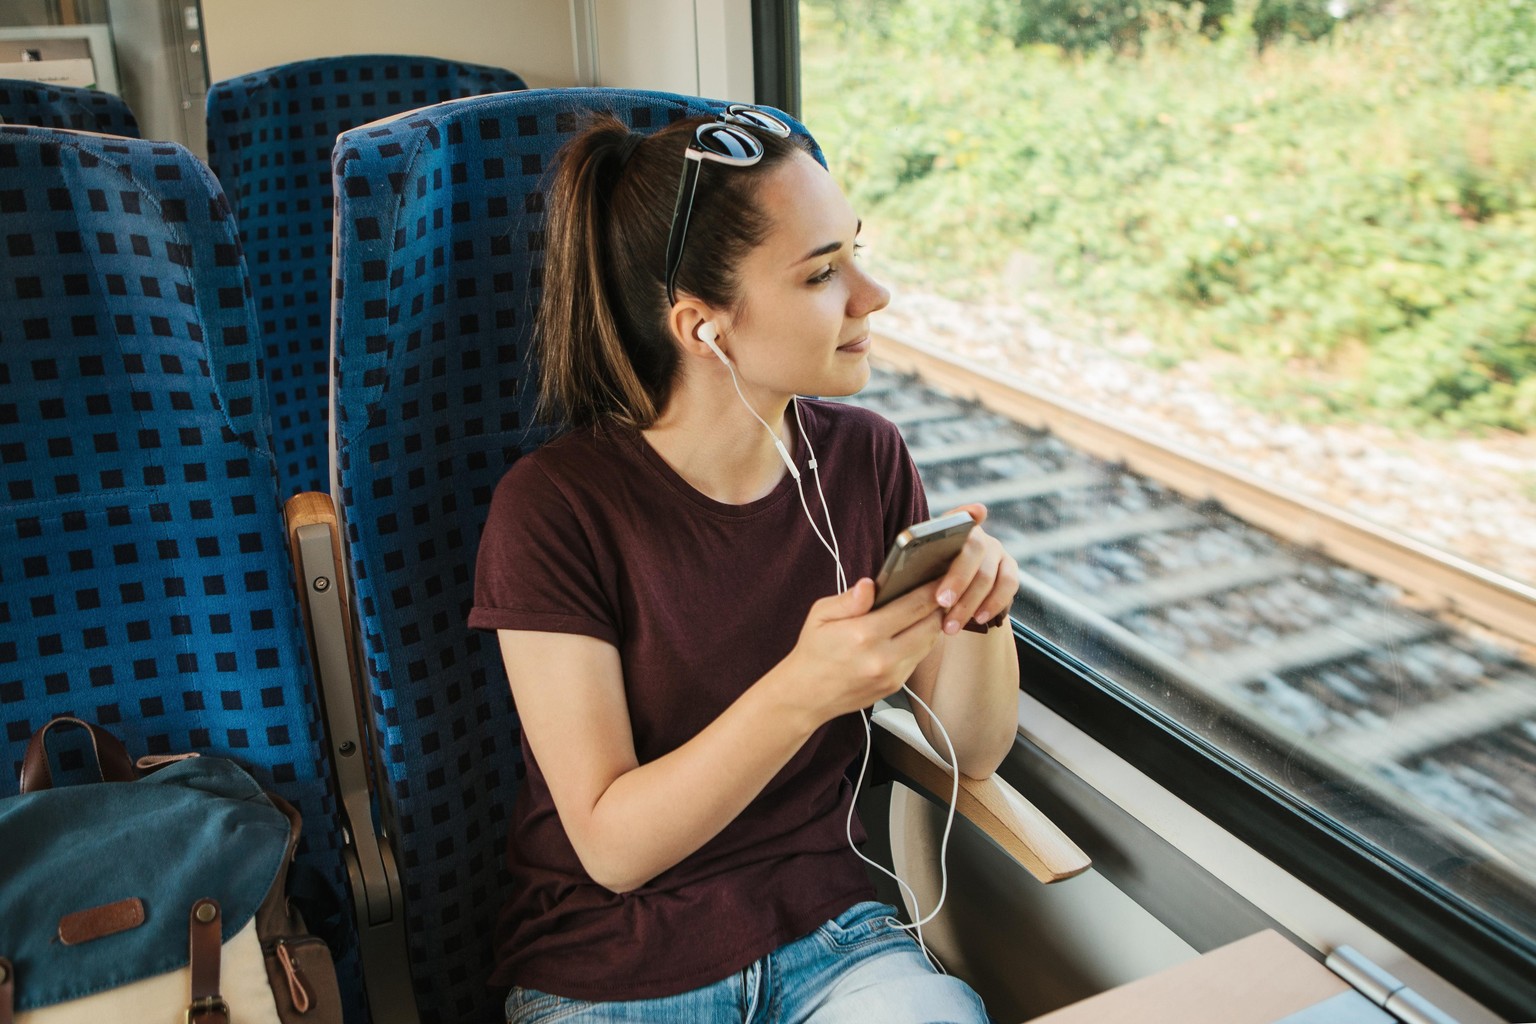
<point x="314" y="540"/>
<point x="321" y="578"/>
<point x="993" y="806"/>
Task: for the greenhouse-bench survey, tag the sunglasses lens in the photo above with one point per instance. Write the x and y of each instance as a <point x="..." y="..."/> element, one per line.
<point x="752" y="117"/>
<point x="729" y="143"/>
<point x="725" y="141"/>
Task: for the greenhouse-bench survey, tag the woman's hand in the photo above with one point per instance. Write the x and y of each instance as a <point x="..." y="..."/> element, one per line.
<point x="848" y="657"/>
<point x="982" y="580"/>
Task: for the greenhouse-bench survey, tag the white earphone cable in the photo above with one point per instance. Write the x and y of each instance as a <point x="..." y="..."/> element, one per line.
<point x="835" y="550"/>
<point x="778" y="442"/>
<point x="826" y="511"/>
<point x="916" y="927"/>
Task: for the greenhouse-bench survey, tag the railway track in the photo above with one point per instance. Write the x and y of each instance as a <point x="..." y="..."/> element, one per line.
<point x="1318" y="630"/>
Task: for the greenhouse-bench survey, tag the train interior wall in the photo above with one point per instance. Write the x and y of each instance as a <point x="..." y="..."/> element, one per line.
<point x="532" y="37"/>
<point x="681" y="46"/>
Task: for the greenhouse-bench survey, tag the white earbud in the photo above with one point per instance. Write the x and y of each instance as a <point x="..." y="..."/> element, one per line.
<point x="707" y="333"/>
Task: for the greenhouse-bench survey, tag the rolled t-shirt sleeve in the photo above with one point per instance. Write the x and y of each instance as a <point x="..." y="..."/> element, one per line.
<point x="537" y="568"/>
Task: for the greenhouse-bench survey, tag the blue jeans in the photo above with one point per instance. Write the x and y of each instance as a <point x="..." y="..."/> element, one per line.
<point x="855" y="969"/>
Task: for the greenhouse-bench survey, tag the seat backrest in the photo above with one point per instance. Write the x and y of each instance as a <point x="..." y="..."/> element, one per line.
<point x="145" y="580"/>
<point x="270" y="135"/>
<point x="64" y="106"/>
<point x="440" y="217"/>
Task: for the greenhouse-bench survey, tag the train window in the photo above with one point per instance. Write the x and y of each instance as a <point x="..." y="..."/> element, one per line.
<point x="1226" y="309"/>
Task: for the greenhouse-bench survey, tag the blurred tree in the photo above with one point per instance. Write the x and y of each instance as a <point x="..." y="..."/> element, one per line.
<point x="1307" y="20"/>
<point x="1119" y="25"/>
<point x="1080" y="26"/>
<point x="1484" y="42"/>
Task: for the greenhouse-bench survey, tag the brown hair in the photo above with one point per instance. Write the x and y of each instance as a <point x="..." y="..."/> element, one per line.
<point x="605" y="351"/>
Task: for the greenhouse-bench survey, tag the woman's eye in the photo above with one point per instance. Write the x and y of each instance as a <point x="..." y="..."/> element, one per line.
<point x="825" y="276"/>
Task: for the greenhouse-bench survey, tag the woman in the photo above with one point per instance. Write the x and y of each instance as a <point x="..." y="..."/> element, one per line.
<point x="685" y="671"/>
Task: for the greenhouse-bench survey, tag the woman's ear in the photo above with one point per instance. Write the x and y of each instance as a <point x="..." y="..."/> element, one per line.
<point x="687" y="323"/>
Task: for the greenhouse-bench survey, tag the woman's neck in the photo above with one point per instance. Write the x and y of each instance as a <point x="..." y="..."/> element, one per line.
<point x="715" y="444"/>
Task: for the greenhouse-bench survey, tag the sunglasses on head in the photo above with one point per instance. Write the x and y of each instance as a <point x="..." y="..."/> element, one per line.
<point x="723" y="141"/>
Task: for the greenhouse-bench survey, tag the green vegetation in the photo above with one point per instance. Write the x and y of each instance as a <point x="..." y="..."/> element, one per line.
<point x="1349" y="204"/>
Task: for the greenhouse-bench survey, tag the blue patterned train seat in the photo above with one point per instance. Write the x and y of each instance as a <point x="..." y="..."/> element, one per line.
<point x="145" y="580"/>
<point x="64" y="106"/>
<point x="270" y="135"/>
<point x="440" y="215"/>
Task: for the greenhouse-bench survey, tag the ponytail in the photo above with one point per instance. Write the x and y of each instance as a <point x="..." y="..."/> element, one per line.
<point x="605" y="351"/>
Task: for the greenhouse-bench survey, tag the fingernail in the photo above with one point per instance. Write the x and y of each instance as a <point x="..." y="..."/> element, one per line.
<point x="982" y="618"/>
<point x="952" y="626"/>
<point x="946" y="598"/>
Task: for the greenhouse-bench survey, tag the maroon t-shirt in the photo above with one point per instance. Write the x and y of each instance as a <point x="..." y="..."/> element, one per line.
<point x="595" y="534"/>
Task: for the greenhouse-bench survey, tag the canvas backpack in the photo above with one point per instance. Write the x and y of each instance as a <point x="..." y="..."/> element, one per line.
<point x="159" y="898"/>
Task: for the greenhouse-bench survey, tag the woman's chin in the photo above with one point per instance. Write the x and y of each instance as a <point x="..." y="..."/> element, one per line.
<point x="850" y="381"/>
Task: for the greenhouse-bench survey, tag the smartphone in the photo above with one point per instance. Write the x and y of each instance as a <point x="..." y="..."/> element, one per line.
<point x="920" y="555"/>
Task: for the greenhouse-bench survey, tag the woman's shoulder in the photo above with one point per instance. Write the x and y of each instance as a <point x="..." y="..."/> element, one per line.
<point x="567" y="466"/>
<point x="843" y="423"/>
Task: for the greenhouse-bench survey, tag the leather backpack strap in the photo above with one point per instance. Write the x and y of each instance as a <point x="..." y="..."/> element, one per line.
<point x="7" y="991"/>
<point x="207" y="1006"/>
<point x="111" y="756"/>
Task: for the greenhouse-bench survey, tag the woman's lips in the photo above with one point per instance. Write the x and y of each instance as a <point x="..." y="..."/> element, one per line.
<point x="855" y="347"/>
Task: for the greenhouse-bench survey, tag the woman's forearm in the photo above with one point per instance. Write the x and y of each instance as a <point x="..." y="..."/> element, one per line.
<point x="653" y="816"/>
<point x="973" y="687"/>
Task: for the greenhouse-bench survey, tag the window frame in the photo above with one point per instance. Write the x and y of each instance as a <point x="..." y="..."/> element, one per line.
<point x="776" y="54"/>
<point x="1477" y="955"/>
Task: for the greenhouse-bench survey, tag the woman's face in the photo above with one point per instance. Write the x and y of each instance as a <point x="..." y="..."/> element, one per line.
<point x="803" y="324"/>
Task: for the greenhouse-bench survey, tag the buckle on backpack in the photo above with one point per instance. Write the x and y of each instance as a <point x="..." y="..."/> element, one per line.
<point x="208" y="1006"/>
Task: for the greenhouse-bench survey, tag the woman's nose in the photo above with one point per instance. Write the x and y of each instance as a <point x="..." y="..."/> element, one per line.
<point x="870" y="298"/>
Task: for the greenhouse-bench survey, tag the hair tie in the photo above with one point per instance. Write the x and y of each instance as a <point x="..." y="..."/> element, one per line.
<point x="627" y="148"/>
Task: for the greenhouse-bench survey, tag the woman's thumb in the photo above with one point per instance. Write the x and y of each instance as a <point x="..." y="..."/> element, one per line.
<point x="857" y="599"/>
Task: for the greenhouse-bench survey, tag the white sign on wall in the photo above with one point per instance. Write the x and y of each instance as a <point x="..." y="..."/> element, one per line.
<point x="78" y="55"/>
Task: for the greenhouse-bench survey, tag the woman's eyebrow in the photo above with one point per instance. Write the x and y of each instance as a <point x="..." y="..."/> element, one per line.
<point x="830" y="247"/>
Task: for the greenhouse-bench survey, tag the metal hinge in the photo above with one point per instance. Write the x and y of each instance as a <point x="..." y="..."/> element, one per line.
<point x="1372" y="981"/>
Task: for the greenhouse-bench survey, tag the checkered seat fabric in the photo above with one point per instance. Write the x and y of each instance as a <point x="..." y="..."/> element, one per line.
<point x="440" y="217"/>
<point x="145" y="581"/>
<point x="64" y="106"/>
<point x="270" y="135"/>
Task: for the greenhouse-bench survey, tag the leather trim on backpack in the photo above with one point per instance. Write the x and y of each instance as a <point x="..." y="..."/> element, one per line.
<point x="99" y="922"/>
<point x="207" y="942"/>
<point x="299" y="965"/>
<point x="7" y="990"/>
<point x="111" y="756"/>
